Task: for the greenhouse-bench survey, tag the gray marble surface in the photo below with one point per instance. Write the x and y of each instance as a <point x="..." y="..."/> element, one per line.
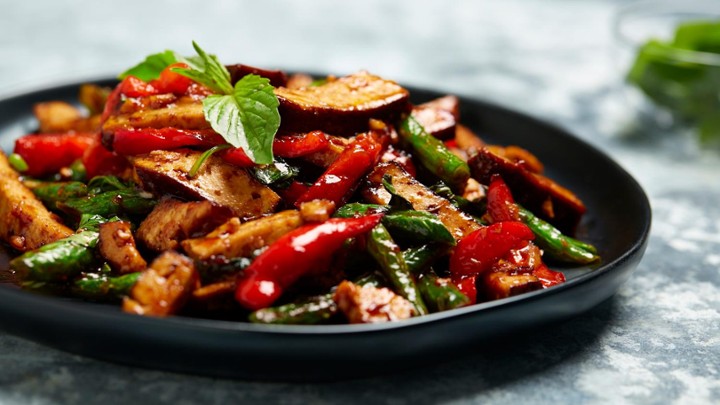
<point x="657" y="341"/>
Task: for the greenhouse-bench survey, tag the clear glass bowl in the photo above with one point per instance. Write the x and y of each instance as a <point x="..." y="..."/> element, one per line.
<point x="670" y="87"/>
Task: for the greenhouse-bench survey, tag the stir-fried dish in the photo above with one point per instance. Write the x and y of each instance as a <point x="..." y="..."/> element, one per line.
<point x="233" y="192"/>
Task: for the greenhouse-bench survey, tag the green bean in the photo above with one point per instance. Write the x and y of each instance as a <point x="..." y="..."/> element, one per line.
<point x="387" y="253"/>
<point x="555" y="244"/>
<point x="434" y="155"/>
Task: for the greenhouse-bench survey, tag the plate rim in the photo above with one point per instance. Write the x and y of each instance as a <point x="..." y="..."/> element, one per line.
<point x="633" y="251"/>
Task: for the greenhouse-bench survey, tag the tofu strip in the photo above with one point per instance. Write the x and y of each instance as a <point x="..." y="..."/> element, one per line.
<point x="25" y="223"/>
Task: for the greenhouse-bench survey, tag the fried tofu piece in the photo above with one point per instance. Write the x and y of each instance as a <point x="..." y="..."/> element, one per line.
<point x="25" y="223"/>
<point x="420" y="197"/>
<point x="497" y="285"/>
<point x="164" y="287"/>
<point x="236" y="239"/>
<point x="342" y="106"/>
<point x="172" y="221"/>
<point x="541" y="195"/>
<point x="369" y="304"/>
<point x="439" y="117"/>
<point x="166" y="172"/>
<point x="117" y="245"/>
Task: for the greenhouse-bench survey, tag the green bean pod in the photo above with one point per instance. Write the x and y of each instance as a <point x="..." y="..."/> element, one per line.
<point x="103" y="287"/>
<point x="419" y="258"/>
<point x="440" y="294"/>
<point x="555" y="244"/>
<point x="387" y="253"/>
<point x="57" y="261"/>
<point x="434" y="155"/>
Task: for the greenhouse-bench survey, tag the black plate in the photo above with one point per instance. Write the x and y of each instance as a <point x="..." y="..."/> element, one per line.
<point x="617" y="222"/>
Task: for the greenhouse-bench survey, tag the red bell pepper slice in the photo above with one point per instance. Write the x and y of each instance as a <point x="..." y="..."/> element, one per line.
<point x="477" y="252"/>
<point x="99" y="161"/>
<point x="341" y="177"/>
<point x="138" y="141"/>
<point x="500" y="203"/>
<point x="292" y="146"/>
<point x="171" y="82"/>
<point x="468" y="286"/>
<point x="46" y="154"/>
<point x="130" y="86"/>
<point x="548" y="277"/>
<point x="294" y="255"/>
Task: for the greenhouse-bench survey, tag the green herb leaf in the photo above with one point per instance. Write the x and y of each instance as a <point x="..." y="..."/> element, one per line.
<point x="208" y="71"/>
<point x="152" y="66"/>
<point x="248" y="118"/>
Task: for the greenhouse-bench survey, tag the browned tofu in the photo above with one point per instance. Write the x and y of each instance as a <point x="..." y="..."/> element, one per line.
<point x="439" y="116"/>
<point x="223" y="184"/>
<point x="422" y="198"/>
<point x="541" y="195"/>
<point x="369" y="304"/>
<point x="164" y="287"/>
<point x="172" y="221"/>
<point x="236" y="239"/>
<point x="497" y="285"/>
<point x="342" y="106"/>
<point x="117" y="245"/>
<point x="56" y="116"/>
<point x="25" y="223"/>
<point x="316" y="210"/>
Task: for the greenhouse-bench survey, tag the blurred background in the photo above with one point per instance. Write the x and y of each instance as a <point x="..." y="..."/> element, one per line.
<point x="560" y="60"/>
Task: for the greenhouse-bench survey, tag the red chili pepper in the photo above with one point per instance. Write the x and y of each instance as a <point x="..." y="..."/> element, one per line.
<point x="478" y="251"/>
<point x="237" y="156"/>
<point x="171" y="82"/>
<point x="500" y="203"/>
<point x="341" y="178"/>
<point x="143" y="140"/>
<point x="548" y="277"/>
<point x="99" y="161"/>
<point x="292" y="146"/>
<point x="294" y="255"/>
<point x="293" y="192"/>
<point x="47" y="153"/>
<point x="467" y="285"/>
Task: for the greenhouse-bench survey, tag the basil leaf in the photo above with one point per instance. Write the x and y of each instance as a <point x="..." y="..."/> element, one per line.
<point x="208" y="71"/>
<point x="152" y="66"/>
<point x="248" y="118"/>
<point x="419" y="225"/>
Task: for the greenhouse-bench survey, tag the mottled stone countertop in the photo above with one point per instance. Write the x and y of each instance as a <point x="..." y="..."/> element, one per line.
<point x="657" y="341"/>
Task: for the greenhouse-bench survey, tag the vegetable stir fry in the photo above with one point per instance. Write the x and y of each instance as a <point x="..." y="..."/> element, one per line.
<point x="198" y="189"/>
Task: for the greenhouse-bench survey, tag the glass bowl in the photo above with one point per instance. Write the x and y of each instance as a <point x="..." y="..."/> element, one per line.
<point x="670" y="60"/>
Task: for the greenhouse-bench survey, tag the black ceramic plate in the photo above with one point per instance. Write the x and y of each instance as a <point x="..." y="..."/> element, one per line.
<point x="617" y="222"/>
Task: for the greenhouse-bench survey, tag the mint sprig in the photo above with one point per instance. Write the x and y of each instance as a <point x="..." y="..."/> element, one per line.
<point x="245" y="115"/>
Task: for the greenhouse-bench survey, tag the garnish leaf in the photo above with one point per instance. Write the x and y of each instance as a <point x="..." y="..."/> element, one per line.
<point x="245" y="115"/>
<point x="208" y="71"/>
<point x="150" y="68"/>
<point x="248" y="118"/>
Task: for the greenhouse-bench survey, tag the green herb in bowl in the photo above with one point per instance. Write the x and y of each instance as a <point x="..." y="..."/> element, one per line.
<point x="683" y="75"/>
